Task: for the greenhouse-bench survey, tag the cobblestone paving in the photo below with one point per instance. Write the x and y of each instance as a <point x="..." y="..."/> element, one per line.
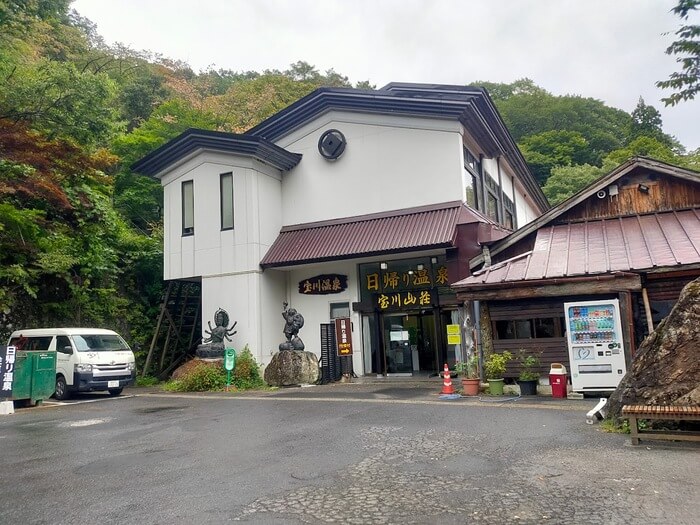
<point x="408" y="479"/>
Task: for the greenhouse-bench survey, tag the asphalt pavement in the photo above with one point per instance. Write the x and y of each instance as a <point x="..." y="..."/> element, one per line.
<point x="340" y="453"/>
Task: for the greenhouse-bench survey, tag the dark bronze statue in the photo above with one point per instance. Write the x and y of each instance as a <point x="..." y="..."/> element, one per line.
<point x="294" y="321"/>
<point x="213" y="346"/>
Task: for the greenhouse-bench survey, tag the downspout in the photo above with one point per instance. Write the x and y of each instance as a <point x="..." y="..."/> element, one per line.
<point x="501" y="205"/>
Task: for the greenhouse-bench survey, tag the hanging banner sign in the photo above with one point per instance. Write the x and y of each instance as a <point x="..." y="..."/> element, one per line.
<point x="323" y="284"/>
<point x="343" y="336"/>
<point x="7" y="370"/>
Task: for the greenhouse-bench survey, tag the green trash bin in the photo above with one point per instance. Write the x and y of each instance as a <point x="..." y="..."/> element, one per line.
<point x="34" y="376"/>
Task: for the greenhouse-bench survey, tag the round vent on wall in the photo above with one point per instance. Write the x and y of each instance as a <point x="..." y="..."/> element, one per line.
<point x="332" y="144"/>
<point x="601" y="194"/>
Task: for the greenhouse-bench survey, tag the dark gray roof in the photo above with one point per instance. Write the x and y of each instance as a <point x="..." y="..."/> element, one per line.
<point x="195" y="139"/>
<point x="471" y="106"/>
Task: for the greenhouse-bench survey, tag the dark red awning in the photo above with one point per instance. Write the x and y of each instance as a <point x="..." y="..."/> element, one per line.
<point x="411" y="229"/>
<point x="640" y="242"/>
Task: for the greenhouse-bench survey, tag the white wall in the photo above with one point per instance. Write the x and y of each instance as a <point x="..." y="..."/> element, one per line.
<point x="389" y="163"/>
<point x="210" y="251"/>
<point x="316" y="308"/>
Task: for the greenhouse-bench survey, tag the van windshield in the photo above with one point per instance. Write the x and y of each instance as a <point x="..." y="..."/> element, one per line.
<point x="99" y="343"/>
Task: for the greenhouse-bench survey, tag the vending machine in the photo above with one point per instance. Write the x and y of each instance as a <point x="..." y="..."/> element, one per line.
<point x="596" y="349"/>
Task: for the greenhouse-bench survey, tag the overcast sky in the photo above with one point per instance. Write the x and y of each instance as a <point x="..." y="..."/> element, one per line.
<point x="612" y="50"/>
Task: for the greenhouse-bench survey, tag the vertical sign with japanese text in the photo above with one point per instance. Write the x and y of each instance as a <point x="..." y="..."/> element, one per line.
<point x="343" y="336"/>
<point x="7" y="370"/>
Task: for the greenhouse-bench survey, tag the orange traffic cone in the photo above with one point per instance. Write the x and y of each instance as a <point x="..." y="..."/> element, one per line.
<point x="447" y="382"/>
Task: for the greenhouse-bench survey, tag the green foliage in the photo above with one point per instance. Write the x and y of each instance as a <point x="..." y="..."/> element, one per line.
<point x="147" y="381"/>
<point x="529" y="365"/>
<point x="59" y="101"/>
<point x="644" y="146"/>
<point x="246" y="374"/>
<point x="686" y="82"/>
<point x="203" y="376"/>
<point x="550" y="149"/>
<point x="566" y="181"/>
<point x="495" y="364"/>
<point x="500" y="92"/>
<point x="468" y="369"/>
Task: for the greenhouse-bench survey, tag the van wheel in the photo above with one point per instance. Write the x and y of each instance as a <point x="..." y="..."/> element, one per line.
<point x="115" y="391"/>
<point x="61" y="392"/>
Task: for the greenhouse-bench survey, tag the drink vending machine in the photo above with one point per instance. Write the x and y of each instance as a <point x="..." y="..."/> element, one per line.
<point x="596" y="349"/>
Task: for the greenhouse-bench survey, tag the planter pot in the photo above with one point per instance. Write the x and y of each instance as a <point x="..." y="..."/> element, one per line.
<point x="471" y="386"/>
<point x="528" y="388"/>
<point x="495" y="387"/>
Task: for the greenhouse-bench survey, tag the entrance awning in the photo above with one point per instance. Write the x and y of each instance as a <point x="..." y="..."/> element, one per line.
<point x="406" y="230"/>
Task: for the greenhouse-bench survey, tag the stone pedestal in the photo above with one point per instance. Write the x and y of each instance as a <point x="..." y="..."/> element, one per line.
<point x="210" y="351"/>
<point x="292" y="367"/>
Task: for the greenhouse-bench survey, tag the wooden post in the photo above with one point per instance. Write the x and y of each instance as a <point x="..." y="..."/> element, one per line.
<point x="627" y="322"/>
<point x="647" y="310"/>
<point x="155" y="334"/>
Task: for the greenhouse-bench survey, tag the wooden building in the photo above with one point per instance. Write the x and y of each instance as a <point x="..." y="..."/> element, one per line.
<point x="633" y="235"/>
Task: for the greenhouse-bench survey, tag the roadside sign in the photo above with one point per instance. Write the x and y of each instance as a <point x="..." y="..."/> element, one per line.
<point x="229" y="364"/>
<point x="343" y="336"/>
<point x="229" y="359"/>
<point x="7" y="370"/>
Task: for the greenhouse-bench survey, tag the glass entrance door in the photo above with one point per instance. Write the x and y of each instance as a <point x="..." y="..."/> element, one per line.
<point x="409" y="343"/>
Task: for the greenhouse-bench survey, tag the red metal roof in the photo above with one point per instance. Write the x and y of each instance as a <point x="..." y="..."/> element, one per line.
<point x="422" y="228"/>
<point x="623" y="244"/>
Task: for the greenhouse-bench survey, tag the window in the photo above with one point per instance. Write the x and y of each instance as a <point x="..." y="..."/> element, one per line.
<point x="340" y="310"/>
<point x="471" y="162"/>
<point x="32" y="342"/>
<point x="509" y="219"/>
<point x="492" y="203"/>
<point x="472" y="167"/>
<point x="62" y="342"/>
<point x="472" y="191"/>
<point x="188" y="207"/>
<point x="226" y="183"/>
<point x="538" y="328"/>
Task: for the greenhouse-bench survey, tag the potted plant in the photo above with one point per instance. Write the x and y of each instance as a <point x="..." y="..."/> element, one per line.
<point x="495" y="368"/>
<point x="529" y="374"/>
<point x="469" y="373"/>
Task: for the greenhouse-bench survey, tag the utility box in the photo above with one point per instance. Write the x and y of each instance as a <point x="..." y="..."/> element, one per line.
<point x="34" y="376"/>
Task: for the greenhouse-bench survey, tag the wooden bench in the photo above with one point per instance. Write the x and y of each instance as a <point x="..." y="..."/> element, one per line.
<point x="670" y="412"/>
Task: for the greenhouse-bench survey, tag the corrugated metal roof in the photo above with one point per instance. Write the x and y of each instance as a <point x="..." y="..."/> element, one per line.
<point x="411" y="229"/>
<point x="640" y="242"/>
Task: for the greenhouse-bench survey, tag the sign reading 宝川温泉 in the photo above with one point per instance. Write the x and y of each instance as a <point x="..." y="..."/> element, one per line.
<point x="7" y="370"/>
<point x="323" y="284"/>
<point x="343" y="336"/>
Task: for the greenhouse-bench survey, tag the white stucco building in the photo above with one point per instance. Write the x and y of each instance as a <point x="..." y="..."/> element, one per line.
<point x="352" y="203"/>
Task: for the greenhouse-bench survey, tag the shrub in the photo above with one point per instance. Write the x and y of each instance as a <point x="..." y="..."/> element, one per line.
<point x="246" y="374"/>
<point x="530" y="364"/>
<point x="147" y="381"/>
<point x="495" y="364"/>
<point x="201" y="376"/>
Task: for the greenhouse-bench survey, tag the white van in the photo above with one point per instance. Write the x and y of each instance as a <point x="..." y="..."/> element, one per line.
<point x="87" y="359"/>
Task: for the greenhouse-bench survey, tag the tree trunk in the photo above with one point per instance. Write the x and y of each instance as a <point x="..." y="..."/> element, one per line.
<point x="666" y="369"/>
